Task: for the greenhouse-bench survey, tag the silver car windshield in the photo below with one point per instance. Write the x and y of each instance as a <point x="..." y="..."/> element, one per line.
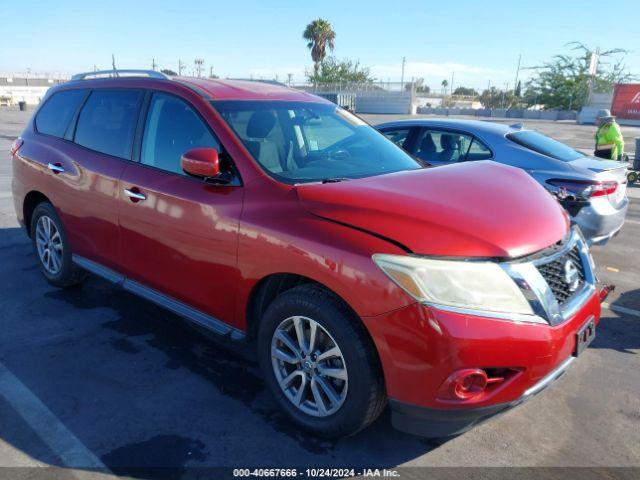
<point x="546" y="146"/>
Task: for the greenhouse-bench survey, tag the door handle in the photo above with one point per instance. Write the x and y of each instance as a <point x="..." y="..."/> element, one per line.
<point x="134" y="194"/>
<point x="55" y="168"/>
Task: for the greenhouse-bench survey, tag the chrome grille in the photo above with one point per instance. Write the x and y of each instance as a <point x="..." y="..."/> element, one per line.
<point x="555" y="274"/>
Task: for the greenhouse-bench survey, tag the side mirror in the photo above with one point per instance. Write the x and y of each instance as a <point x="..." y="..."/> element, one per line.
<point x="201" y="162"/>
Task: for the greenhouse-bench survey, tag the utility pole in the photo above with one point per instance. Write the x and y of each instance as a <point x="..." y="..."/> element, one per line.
<point x="451" y="89"/>
<point x="180" y="67"/>
<point x="289" y="78"/>
<point x="593" y="71"/>
<point x="515" y="84"/>
<point x="153" y="64"/>
<point x="210" y="71"/>
<point x="113" y="61"/>
<point x="199" y="62"/>
<point x="404" y="60"/>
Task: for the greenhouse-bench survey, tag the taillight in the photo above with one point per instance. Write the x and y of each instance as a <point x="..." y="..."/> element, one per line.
<point x="584" y="188"/>
<point x="15" y="146"/>
<point x="604" y="188"/>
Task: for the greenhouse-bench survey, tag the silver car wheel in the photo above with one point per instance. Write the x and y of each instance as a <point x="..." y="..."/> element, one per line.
<point x="49" y="245"/>
<point x="309" y="366"/>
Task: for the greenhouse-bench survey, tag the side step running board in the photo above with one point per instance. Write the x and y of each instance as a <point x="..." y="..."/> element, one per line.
<point x="179" y="308"/>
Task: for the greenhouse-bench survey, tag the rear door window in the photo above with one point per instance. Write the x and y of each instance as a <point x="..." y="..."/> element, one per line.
<point x="58" y="111"/>
<point x="107" y="122"/>
<point x="478" y="151"/>
<point x="442" y="146"/>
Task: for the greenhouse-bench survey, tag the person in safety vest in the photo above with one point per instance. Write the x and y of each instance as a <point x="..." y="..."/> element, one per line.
<point x="609" y="141"/>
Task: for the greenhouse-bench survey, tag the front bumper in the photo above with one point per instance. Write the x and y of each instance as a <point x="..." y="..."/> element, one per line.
<point x="420" y="346"/>
<point x="434" y="423"/>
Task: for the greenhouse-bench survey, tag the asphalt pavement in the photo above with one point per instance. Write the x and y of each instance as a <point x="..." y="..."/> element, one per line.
<point x="92" y="378"/>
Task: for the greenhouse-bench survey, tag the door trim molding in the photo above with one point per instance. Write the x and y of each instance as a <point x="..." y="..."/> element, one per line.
<point x="179" y="308"/>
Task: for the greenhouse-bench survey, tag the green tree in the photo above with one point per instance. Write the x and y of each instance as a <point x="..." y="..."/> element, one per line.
<point x="419" y="85"/>
<point x="332" y="70"/>
<point x="563" y="82"/>
<point x="496" y="98"/>
<point x="319" y="36"/>
<point x="444" y="84"/>
<point x="169" y="72"/>
<point x="470" y="92"/>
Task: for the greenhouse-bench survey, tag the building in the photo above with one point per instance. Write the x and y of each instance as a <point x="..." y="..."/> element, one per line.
<point x="30" y="90"/>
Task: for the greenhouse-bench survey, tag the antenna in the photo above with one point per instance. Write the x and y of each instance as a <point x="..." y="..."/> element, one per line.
<point x="113" y="64"/>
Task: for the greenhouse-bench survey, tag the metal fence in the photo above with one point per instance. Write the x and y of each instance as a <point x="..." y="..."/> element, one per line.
<point x="350" y="87"/>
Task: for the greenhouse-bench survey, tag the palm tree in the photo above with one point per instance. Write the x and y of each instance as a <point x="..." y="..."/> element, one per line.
<point x="319" y="35"/>
<point x="445" y="84"/>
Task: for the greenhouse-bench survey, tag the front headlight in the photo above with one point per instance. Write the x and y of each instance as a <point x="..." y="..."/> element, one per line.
<point x="476" y="285"/>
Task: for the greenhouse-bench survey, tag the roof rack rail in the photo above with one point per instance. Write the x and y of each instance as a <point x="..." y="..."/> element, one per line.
<point x="260" y="80"/>
<point x="118" y="73"/>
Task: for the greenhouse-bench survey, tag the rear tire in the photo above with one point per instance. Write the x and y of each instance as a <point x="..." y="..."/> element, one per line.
<point x="51" y="247"/>
<point x="340" y="376"/>
<point x="632" y="177"/>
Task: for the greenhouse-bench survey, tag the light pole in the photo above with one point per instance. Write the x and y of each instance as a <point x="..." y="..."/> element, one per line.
<point x="515" y="83"/>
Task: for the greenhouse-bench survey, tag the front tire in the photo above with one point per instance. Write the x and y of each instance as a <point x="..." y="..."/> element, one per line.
<point x="319" y="362"/>
<point x="51" y="247"/>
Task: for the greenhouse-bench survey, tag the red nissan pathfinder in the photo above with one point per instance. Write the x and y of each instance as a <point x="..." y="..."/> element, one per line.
<point x="273" y="217"/>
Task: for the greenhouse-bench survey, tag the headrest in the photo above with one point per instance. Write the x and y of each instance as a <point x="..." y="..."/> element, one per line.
<point x="260" y="124"/>
<point x="448" y="142"/>
<point x="428" y="145"/>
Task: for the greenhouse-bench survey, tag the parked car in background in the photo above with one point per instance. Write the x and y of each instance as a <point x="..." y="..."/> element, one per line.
<point x="592" y="190"/>
<point x="275" y="218"/>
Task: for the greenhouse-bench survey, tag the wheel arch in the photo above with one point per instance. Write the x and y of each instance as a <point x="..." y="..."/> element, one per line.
<point x="270" y="287"/>
<point x="31" y="201"/>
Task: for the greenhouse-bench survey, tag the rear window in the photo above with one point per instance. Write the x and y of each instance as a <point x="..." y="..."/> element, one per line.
<point x="107" y="122"/>
<point x="58" y="111"/>
<point x="546" y="146"/>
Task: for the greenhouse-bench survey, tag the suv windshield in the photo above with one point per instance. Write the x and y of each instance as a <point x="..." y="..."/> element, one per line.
<point x="545" y="145"/>
<point x="300" y="142"/>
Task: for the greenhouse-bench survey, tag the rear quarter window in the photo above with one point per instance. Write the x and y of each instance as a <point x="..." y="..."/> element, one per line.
<point x="58" y="111"/>
<point x="107" y="122"/>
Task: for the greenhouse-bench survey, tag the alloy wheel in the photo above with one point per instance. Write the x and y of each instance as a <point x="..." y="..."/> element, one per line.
<point x="309" y="366"/>
<point x="49" y="245"/>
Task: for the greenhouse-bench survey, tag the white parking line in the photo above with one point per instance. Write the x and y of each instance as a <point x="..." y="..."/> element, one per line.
<point x="619" y="309"/>
<point x="632" y="221"/>
<point x="45" y="424"/>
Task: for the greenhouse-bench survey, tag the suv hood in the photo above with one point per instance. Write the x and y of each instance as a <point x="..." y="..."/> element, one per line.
<point x="475" y="209"/>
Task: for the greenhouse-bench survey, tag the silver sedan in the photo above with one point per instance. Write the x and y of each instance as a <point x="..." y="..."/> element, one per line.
<point x="592" y="190"/>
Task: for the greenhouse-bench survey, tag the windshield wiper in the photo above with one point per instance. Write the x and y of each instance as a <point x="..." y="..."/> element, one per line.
<point x="335" y="179"/>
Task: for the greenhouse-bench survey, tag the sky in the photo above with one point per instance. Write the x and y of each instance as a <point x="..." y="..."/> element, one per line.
<point x="475" y="41"/>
